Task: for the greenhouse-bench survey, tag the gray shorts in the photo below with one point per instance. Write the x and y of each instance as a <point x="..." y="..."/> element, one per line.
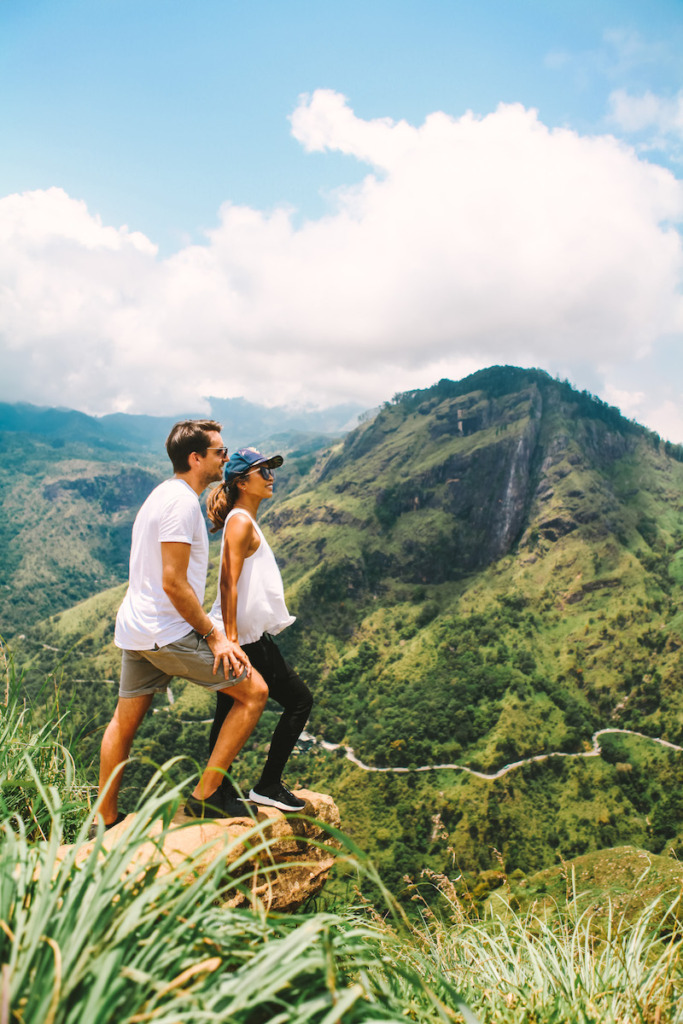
<point x="144" y="672"/>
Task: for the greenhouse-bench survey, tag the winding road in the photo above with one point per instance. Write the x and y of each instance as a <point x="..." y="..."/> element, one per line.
<point x="350" y="755"/>
<point x="595" y="751"/>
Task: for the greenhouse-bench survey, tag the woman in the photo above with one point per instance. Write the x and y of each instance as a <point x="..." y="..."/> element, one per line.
<point x="250" y="606"/>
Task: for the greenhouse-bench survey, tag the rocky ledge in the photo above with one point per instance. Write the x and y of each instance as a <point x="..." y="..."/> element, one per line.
<point x="280" y="862"/>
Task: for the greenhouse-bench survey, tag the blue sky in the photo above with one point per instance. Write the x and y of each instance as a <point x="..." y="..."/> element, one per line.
<point x="177" y="221"/>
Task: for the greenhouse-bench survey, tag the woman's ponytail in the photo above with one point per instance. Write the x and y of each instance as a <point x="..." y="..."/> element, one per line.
<point x="220" y="501"/>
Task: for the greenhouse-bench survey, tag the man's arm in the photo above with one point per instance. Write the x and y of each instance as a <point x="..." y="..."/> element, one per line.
<point x="175" y="559"/>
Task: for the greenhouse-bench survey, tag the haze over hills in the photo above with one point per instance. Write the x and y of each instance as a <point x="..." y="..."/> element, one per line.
<point x="243" y="419"/>
<point x="486" y="571"/>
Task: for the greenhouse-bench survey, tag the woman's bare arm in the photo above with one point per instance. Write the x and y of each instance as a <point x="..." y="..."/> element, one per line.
<point x="241" y="540"/>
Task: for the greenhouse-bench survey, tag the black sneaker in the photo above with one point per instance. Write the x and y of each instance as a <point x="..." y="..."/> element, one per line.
<point x="278" y="796"/>
<point x="233" y="802"/>
<point x="227" y="789"/>
<point x="92" y="831"/>
<point x="223" y="803"/>
<point x="235" y="806"/>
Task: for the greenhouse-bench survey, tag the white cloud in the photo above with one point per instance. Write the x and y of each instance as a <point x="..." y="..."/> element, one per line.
<point x="663" y="415"/>
<point x="626" y="50"/>
<point x="629" y="402"/>
<point x="648" y="111"/>
<point x="667" y="419"/>
<point x="470" y="241"/>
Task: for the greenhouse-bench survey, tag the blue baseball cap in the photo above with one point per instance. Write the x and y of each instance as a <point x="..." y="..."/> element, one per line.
<point x="244" y="459"/>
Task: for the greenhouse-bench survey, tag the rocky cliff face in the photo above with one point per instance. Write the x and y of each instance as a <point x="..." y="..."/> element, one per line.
<point x="120" y="490"/>
<point x="282" y="861"/>
<point x="482" y="490"/>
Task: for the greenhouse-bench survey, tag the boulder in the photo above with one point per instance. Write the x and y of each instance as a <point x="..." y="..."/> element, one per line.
<point x="284" y="866"/>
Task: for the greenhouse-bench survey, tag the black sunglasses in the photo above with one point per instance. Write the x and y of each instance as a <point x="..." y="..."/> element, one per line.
<point x="265" y="471"/>
<point x="223" y="451"/>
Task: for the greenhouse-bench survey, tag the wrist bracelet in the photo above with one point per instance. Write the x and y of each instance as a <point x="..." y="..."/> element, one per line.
<point x="206" y="635"/>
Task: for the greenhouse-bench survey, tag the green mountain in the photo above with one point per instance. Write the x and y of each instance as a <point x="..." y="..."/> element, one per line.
<point x="489" y="569"/>
<point x="486" y="572"/>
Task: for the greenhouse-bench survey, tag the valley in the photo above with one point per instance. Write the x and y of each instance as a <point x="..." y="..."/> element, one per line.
<point x="487" y="577"/>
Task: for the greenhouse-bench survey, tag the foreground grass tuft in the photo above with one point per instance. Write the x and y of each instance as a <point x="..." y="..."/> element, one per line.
<point x="565" y="966"/>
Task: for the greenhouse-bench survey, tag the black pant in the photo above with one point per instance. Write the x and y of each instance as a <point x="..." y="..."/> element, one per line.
<point x="290" y="692"/>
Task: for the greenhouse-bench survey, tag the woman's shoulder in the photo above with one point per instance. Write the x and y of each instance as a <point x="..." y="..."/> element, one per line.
<point x="239" y="522"/>
<point x="242" y="512"/>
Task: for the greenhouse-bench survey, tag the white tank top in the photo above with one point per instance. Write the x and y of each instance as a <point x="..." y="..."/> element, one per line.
<point x="261" y="604"/>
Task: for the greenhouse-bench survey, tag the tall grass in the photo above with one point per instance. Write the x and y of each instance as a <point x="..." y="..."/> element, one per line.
<point x="106" y="940"/>
<point x="565" y="966"/>
<point x="32" y="751"/>
<point x="103" y="939"/>
<point x="99" y="942"/>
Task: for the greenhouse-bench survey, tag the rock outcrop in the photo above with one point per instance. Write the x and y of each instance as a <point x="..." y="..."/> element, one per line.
<point x="287" y="867"/>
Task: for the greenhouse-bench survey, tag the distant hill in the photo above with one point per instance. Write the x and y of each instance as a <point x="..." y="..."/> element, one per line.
<point x="66" y="511"/>
<point x="487" y="570"/>
<point x="71" y="485"/>
<point x="243" y="421"/>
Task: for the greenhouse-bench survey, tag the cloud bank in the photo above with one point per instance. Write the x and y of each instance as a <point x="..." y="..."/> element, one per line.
<point x="471" y="240"/>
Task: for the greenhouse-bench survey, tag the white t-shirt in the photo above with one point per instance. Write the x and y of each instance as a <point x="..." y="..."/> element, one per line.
<point x="261" y="604"/>
<point x="146" y="617"/>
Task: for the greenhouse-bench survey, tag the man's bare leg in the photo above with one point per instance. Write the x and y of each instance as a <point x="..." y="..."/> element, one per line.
<point x="116" y="743"/>
<point x="250" y="698"/>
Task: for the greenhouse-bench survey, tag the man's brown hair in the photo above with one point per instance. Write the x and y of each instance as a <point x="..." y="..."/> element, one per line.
<point x="186" y="437"/>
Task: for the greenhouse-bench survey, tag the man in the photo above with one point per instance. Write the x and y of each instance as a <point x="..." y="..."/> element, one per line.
<point x="163" y="630"/>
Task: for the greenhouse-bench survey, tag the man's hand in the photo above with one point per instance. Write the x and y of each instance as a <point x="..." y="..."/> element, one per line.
<point x="227" y="653"/>
<point x="175" y="558"/>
